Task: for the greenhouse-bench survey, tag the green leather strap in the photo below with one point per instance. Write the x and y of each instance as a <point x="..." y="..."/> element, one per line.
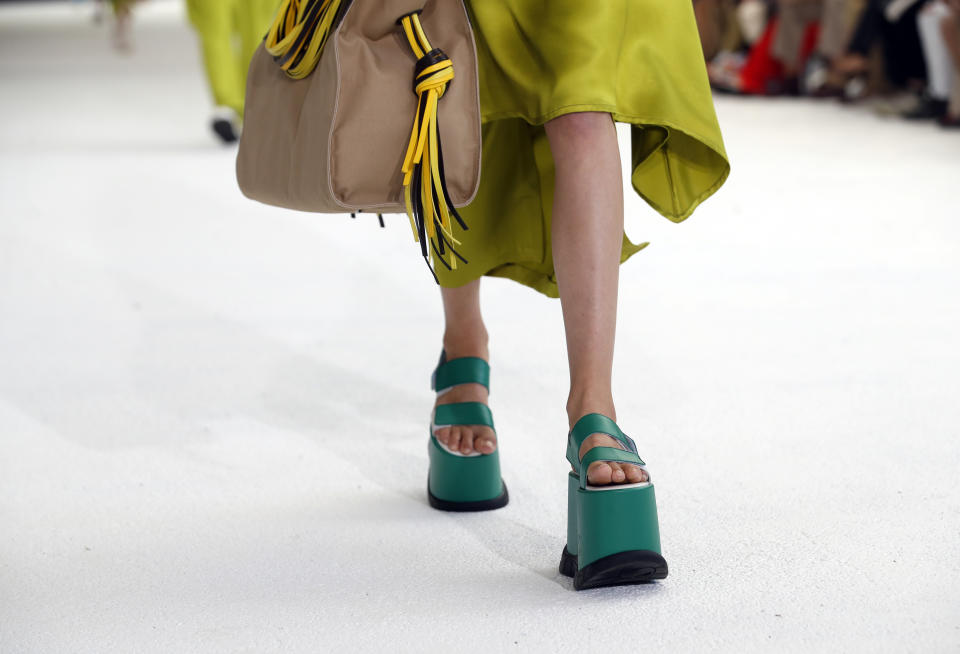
<point x="463" y="413"/>
<point x="594" y="423"/>
<point x="605" y="454"/>
<point x="466" y="370"/>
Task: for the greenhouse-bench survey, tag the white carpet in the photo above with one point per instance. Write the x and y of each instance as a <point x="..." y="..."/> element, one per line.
<point x="213" y="414"/>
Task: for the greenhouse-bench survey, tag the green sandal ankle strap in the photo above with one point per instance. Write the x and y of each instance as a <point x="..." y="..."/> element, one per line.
<point x="465" y="370"/>
<point x="595" y="423"/>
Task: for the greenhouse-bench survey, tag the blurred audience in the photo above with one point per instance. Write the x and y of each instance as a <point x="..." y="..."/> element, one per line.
<point x="940" y="38"/>
<point x="810" y="32"/>
<point x="904" y="54"/>
<point x="950" y="25"/>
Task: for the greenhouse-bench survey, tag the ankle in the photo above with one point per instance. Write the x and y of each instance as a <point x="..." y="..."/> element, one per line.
<point x="579" y="405"/>
<point x="466" y="341"/>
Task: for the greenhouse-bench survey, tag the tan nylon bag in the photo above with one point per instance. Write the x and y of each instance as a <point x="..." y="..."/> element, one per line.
<point x="335" y="141"/>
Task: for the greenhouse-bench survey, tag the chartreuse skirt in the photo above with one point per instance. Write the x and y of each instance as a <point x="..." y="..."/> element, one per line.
<point x="638" y="60"/>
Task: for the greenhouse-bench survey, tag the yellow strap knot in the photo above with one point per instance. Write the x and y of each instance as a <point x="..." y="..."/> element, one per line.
<point x="424" y="185"/>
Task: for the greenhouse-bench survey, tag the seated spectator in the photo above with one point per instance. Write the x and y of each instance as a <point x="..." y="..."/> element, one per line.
<point x="950" y="26"/>
<point x="936" y="54"/>
<point x="774" y="47"/>
<point x="796" y="19"/>
<point x="802" y="33"/>
<point x="891" y="24"/>
<point x="939" y="26"/>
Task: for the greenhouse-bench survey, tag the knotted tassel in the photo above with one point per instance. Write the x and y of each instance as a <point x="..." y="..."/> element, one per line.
<point x="298" y="34"/>
<point x="425" y="194"/>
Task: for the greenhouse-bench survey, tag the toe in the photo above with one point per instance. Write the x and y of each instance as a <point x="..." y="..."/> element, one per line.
<point x="610" y="472"/>
<point x="600" y="473"/>
<point x="489" y="441"/>
<point x="443" y="435"/>
<point x="453" y="441"/>
<point x="618" y="476"/>
<point x="484" y="443"/>
<point x="634" y="474"/>
<point x="466" y="441"/>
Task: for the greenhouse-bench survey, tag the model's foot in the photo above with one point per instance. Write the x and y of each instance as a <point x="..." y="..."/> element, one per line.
<point x="606" y="473"/>
<point x="467" y="439"/>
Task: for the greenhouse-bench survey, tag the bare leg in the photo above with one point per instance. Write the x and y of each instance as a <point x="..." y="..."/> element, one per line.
<point x="587" y="239"/>
<point x="950" y="27"/>
<point x="121" y="29"/>
<point x="465" y="336"/>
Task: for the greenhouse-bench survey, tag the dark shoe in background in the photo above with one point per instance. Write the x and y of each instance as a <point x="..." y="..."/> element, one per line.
<point x="789" y="87"/>
<point x="949" y="122"/>
<point x="224" y="130"/>
<point x="928" y="109"/>
<point x="224" y="125"/>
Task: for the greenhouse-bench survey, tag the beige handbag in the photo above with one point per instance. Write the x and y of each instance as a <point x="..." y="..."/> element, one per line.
<point x="351" y="134"/>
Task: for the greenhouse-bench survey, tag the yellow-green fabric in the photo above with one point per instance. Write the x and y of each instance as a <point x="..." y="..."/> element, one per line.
<point x="640" y="61"/>
<point x="230" y="31"/>
<point x="121" y="6"/>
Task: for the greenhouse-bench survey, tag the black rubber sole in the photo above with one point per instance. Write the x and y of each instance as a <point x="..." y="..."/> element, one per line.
<point x="482" y="505"/>
<point x="634" y="567"/>
<point x="224" y="130"/>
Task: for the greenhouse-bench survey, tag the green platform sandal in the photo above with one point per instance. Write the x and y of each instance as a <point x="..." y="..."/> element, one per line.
<point x="613" y="536"/>
<point x="462" y="482"/>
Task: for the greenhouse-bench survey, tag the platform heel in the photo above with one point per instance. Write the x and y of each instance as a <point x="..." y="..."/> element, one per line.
<point x="462" y="482"/>
<point x="613" y="535"/>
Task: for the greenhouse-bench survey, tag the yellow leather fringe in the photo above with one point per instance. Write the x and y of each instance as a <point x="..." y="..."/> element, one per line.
<point x="298" y="34"/>
<point x="424" y="187"/>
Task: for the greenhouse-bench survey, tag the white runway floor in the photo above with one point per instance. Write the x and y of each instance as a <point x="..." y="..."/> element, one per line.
<point x="213" y="414"/>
